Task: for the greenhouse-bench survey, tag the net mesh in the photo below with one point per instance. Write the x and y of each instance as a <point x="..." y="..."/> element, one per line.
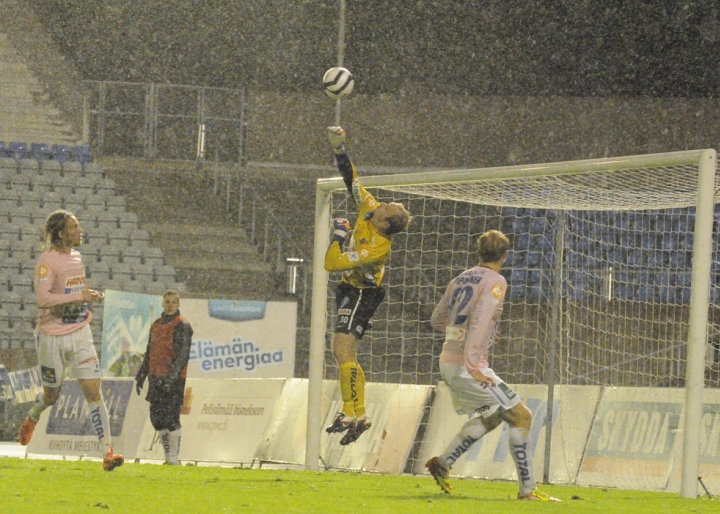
<point x="608" y="252"/>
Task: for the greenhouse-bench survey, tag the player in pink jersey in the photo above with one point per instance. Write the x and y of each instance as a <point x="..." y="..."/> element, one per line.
<point x="468" y="314"/>
<point x="64" y="340"/>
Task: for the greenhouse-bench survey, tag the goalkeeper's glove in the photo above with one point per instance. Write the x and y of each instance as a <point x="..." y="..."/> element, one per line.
<point x="341" y="227"/>
<point x="336" y="135"/>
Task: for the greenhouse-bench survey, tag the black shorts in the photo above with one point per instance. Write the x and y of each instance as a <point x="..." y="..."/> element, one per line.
<point x="355" y="308"/>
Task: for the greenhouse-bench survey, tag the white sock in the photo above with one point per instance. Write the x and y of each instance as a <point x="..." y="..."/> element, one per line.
<point x="521" y="454"/>
<point x="101" y="422"/>
<point x="472" y="431"/>
<point x="165" y="442"/>
<point x="174" y="443"/>
<point x="37" y="408"/>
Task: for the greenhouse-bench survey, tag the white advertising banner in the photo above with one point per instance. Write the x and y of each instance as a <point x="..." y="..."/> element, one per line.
<point x="235" y="339"/>
<point x="634" y="439"/>
<point x="394" y="409"/>
<point x="222" y="420"/>
<point x="231" y="339"/>
<point x="490" y="457"/>
<point x="66" y="429"/>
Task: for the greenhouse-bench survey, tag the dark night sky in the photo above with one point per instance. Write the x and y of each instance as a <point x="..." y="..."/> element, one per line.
<point x="503" y="47"/>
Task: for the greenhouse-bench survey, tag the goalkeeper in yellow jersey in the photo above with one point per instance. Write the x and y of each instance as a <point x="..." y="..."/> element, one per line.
<point x="359" y="294"/>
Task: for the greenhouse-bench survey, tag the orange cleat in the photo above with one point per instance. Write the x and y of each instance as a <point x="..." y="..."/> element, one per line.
<point x="26" y="431"/>
<point x="112" y="460"/>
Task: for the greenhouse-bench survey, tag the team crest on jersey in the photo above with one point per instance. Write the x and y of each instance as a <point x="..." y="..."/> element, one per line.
<point x="353" y="256"/>
<point x="42" y="271"/>
<point x="497" y="291"/>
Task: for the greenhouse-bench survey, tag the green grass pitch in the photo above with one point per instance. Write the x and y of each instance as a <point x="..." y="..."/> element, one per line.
<point x="30" y="486"/>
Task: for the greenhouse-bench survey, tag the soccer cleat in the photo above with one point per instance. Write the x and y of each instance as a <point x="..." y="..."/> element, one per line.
<point x="26" y="431"/>
<point x="112" y="460"/>
<point x="538" y="495"/>
<point x="340" y="424"/>
<point x="439" y="473"/>
<point x="355" y="430"/>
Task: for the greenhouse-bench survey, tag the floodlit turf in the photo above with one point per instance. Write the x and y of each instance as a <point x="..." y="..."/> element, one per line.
<point x="39" y="486"/>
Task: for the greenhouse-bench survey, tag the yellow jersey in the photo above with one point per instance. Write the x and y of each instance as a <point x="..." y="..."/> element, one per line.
<point x="363" y="265"/>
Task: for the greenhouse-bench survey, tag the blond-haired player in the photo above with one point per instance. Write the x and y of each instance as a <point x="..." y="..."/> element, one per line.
<point x="468" y="314"/>
<point x="64" y="340"/>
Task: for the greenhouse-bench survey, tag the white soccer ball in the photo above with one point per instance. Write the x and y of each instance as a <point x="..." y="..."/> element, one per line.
<point x="338" y="83"/>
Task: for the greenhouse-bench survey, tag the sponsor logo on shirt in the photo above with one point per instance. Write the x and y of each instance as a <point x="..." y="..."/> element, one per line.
<point x="344" y="312"/>
<point x="364" y="253"/>
<point x="74" y="284"/>
<point x="42" y="271"/>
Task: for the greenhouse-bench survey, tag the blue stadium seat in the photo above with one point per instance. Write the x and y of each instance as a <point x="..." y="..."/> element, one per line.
<point x="678" y="259"/>
<point x="60" y="153"/>
<point x="81" y="154"/>
<point x="636" y="257"/>
<point x="648" y="241"/>
<point x="17" y="150"/>
<point x="656" y="259"/>
<point x="40" y="152"/>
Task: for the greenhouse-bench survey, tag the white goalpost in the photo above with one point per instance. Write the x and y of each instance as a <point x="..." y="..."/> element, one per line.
<point x="610" y="276"/>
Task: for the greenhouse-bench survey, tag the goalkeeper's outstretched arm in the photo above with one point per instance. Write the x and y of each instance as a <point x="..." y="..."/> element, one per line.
<point x="336" y="135"/>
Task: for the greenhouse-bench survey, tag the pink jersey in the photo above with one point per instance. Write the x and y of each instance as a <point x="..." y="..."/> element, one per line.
<point x="468" y="314"/>
<point x="59" y="281"/>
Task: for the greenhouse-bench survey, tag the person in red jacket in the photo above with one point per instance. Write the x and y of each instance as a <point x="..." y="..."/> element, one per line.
<point x="165" y="364"/>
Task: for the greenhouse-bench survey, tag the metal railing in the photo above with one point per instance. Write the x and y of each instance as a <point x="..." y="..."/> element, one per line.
<point x="166" y="121"/>
<point x="264" y="228"/>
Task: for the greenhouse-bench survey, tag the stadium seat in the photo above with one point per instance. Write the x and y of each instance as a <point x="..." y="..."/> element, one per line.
<point x="140" y="237"/>
<point x="19" y="283"/>
<point x="116" y="203"/>
<point x="51" y="166"/>
<point x="107" y="220"/>
<point x="539" y="225"/>
<point x="110" y="254"/>
<point x="165" y="273"/>
<point x="60" y="153"/>
<point x="143" y="272"/>
<point x="656" y="259"/>
<point x="20" y="182"/>
<point x="121" y="269"/>
<point x="153" y="255"/>
<point x="72" y="167"/>
<point x="98" y="273"/>
<point x="51" y="202"/>
<point x="28" y="165"/>
<point x="81" y="154"/>
<point x="93" y="169"/>
<point x="95" y="203"/>
<point x="679" y="259"/>
<point x="91" y="254"/>
<point x="132" y="255"/>
<point x="128" y="220"/>
<point x="40" y="152"/>
<point x="8" y="163"/>
<point x="17" y="150"/>
<point x="43" y="183"/>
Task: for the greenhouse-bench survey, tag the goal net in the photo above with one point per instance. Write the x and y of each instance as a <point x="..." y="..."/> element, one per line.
<point x="603" y="256"/>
